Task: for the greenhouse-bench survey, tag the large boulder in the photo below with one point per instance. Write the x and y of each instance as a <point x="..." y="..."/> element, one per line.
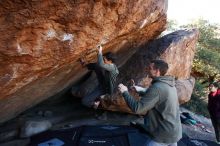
<point x="42" y="42"/>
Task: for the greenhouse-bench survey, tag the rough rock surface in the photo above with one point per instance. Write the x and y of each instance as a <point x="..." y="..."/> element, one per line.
<point x="185" y="89"/>
<point x="177" y="49"/>
<point x="42" y="41"/>
<point x="34" y="127"/>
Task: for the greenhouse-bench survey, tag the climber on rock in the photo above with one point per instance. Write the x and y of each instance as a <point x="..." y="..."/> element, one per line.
<point x="106" y="73"/>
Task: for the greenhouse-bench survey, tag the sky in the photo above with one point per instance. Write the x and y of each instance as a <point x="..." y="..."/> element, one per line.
<point x="185" y="11"/>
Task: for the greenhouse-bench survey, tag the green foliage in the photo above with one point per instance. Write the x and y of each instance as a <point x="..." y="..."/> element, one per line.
<point x="209" y="34"/>
<point x="198" y="103"/>
<point x="208" y="56"/>
<point x="209" y="72"/>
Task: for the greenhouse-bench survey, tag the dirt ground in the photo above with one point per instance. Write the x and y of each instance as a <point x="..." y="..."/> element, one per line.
<point x="69" y="112"/>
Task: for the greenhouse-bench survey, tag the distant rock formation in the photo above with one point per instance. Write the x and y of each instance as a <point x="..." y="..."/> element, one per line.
<point x="42" y="42"/>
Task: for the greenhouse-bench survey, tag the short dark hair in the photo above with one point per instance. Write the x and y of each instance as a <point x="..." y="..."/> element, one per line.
<point x="161" y="65"/>
<point x="110" y="56"/>
<point x="216" y="84"/>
